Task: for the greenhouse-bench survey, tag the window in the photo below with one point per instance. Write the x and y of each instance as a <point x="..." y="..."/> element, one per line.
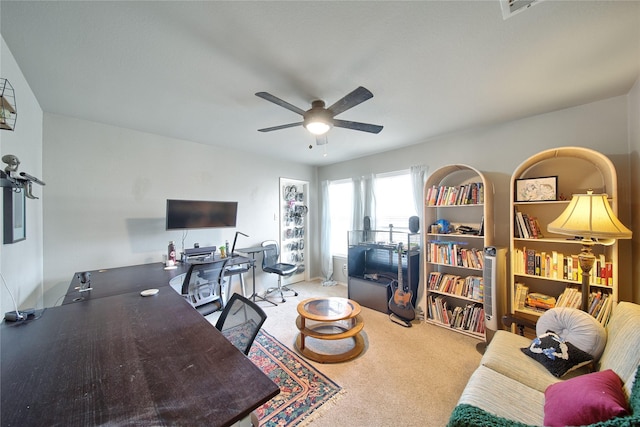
<point x="394" y="205"/>
<point x="341" y="206"/>
<point x="394" y="200"/>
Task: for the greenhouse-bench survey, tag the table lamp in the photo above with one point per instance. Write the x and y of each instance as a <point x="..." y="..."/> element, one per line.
<point x="589" y="216"/>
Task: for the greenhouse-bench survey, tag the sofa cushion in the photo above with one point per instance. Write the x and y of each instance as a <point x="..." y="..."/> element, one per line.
<point x="575" y="326"/>
<point x="503" y="397"/>
<point x="468" y="414"/>
<point x="585" y="400"/>
<point x="622" y="353"/>
<point x="555" y="354"/>
<point x="504" y="355"/>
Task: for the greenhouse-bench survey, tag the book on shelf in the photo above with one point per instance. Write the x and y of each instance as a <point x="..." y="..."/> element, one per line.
<point x="434" y="280"/>
<point x="527" y="226"/>
<point x="520" y="295"/>
<point x="558" y="266"/>
<point x="571" y="297"/>
<point x="465" y="194"/>
<point x="539" y="300"/>
<point x="531" y="262"/>
<point x="605" y="311"/>
<point x="522" y="227"/>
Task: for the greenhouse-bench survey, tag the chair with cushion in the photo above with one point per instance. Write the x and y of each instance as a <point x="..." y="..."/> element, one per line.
<point x="240" y="322"/>
<point x="270" y="264"/>
<point x="202" y="286"/>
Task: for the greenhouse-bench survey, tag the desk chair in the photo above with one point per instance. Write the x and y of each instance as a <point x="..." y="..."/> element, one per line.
<point x="202" y="286"/>
<point x="270" y="264"/>
<point x="240" y="322"/>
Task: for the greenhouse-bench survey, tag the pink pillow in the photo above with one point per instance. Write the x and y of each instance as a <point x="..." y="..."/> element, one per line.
<point x="586" y="399"/>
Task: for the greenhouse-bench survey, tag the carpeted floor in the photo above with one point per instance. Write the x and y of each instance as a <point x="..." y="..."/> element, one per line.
<point x="405" y="376"/>
<point x="303" y="389"/>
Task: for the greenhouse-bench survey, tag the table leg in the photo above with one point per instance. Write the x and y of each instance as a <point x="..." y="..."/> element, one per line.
<point x="302" y="319"/>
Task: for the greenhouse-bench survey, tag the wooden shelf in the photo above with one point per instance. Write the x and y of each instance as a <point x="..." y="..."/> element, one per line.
<point x="474" y="214"/>
<point x="578" y="169"/>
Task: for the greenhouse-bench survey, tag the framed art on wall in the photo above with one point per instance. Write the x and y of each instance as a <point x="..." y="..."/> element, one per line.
<point x="14" y="215"/>
<point x="536" y="189"/>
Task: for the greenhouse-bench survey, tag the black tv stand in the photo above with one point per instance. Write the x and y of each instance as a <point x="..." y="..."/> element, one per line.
<point x="373" y="266"/>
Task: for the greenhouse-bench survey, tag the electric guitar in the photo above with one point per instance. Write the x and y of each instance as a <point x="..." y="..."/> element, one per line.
<point x="400" y="302"/>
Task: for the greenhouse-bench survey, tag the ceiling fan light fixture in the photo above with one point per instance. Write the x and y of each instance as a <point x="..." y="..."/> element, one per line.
<point x="317" y="120"/>
<point x="317" y="127"/>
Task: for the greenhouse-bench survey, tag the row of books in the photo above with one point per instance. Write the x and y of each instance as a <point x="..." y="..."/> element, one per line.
<point x="468" y="318"/>
<point x="523" y="299"/>
<point x="556" y="265"/>
<point x="469" y="287"/>
<point x="526" y="227"/>
<point x="600" y="303"/>
<point x="467" y="194"/>
<point x="452" y="253"/>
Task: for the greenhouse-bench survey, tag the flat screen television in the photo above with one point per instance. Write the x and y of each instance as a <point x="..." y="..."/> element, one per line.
<point x="185" y="214"/>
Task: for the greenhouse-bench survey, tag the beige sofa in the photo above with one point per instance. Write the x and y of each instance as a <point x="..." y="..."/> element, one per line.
<point x="508" y="388"/>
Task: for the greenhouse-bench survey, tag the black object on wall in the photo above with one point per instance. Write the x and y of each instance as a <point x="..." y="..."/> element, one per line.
<point x="14" y="215"/>
<point x="186" y="214"/>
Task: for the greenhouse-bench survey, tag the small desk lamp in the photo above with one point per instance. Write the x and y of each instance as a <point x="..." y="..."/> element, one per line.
<point x="589" y="216"/>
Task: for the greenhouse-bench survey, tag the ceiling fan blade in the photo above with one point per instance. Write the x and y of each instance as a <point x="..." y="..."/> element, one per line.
<point x="365" y="127"/>
<point x="267" y="96"/>
<point x="352" y="99"/>
<point x="289" y="125"/>
<point x="321" y="139"/>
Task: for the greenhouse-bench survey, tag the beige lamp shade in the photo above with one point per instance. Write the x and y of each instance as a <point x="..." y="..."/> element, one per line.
<point x="589" y="215"/>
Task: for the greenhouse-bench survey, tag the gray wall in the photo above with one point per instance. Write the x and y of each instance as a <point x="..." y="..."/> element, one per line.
<point x="634" y="167"/>
<point x="21" y="262"/>
<point x="498" y="150"/>
<point x="107" y="189"/>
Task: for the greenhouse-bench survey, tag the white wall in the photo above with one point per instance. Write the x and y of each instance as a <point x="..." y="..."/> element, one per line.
<point x="21" y="262"/>
<point x="107" y="189"/>
<point x="498" y="150"/>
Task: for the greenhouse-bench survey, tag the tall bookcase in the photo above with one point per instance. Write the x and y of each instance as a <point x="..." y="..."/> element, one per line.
<point x="294" y="209"/>
<point x="453" y="258"/>
<point x="546" y="263"/>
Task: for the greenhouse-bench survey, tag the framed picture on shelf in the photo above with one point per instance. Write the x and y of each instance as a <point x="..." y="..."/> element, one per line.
<point x="536" y="189"/>
<point x="14" y="215"/>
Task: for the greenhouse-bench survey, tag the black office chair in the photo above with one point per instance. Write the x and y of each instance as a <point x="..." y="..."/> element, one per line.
<point x="270" y="264"/>
<point x="240" y="322"/>
<point x="202" y="286"/>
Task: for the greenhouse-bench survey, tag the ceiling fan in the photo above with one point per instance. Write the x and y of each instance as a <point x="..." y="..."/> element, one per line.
<point x="318" y="119"/>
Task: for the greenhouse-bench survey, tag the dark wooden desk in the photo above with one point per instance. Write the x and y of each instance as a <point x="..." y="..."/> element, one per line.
<point x="126" y="360"/>
<point x="115" y="281"/>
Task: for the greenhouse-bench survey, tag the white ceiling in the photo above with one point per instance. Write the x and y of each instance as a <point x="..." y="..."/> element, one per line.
<point x="189" y="70"/>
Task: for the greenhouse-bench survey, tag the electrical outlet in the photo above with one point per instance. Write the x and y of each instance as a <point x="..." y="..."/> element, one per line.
<point x="344" y="269"/>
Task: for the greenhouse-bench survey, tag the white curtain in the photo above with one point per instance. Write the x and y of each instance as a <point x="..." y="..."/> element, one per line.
<point x="325" y="236"/>
<point x="364" y="203"/>
<point x="370" y="199"/>
<point x="418" y="176"/>
<point x="357" y="217"/>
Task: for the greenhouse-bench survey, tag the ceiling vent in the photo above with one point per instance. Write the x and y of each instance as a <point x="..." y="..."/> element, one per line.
<point x="512" y="7"/>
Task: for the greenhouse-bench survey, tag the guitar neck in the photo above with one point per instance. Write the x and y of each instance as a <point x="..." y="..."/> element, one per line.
<point x="400" y="286"/>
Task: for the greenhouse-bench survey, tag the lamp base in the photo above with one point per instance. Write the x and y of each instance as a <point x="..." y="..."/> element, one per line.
<point x="586" y="259"/>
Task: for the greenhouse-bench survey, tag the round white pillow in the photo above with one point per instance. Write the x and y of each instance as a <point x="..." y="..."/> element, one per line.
<point x="575" y="326"/>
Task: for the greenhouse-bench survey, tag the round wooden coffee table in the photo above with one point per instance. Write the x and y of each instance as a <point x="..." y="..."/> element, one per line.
<point x="329" y="319"/>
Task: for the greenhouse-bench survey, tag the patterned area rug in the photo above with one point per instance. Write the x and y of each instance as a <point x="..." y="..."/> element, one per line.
<point x="303" y="389"/>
